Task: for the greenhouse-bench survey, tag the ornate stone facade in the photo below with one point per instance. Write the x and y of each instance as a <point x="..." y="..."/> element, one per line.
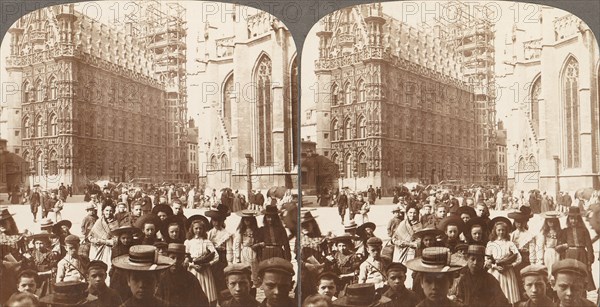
<point x="553" y="132"/>
<point x="400" y="110"/>
<point x="91" y="106"/>
<point x="247" y="82"/>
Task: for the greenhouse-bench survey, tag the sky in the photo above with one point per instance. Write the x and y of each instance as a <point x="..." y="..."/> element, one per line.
<point x="416" y="12"/>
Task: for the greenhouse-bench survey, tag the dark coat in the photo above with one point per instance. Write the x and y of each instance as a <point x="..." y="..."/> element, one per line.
<point x="480" y="290"/>
<point x="181" y="288"/>
<point x="406" y="298"/>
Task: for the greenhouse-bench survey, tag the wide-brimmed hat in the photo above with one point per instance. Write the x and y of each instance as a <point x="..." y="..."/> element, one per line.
<point x="248" y="213"/>
<point x="215" y="214"/>
<point x="434" y="232"/>
<point x="4" y="214"/>
<point x="500" y="219"/>
<point x="474" y="249"/>
<point x="346" y="237"/>
<point x="351" y="224"/>
<point x="207" y="224"/>
<point x="69" y="293"/>
<point x="162" y="208"/>
<point x="46" y="237"/>
<point x="57" y="227"/>
<point x="360" y="295"/>
<point x="435" y="260"/>
<point x="271" y="210"/>
<point x="574" y="211"/>
<point x="125" y="229"/>
<point x="466" y="210"/>
<point x="176" y="248"/>
<point x="173" y="219"/>
<point x="142" y="258"/>
<point x="148" y="218"/>
<point x="523" y="214"/>
<point x="307" y="217"/>
<point x="452" y="220"/>
<point x="362" y="228"/>
<point x="552" y="215"/>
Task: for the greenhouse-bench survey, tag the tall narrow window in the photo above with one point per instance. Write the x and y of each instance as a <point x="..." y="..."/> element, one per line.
<point x="39" y="91"/>
<point x="264" y="112"/>
<point x="53" y="125"/>
<point x="53" y="89"/>
<point x="224" y="162"/>
<point x="26" y="92"/>
<point x="571" y="113"/>
<point x="39" y="128"/>
<point x="39" y="164"/>
<point x="53" y="163"/>
<point x="362" y="166"/>
<point x="535" y="106"/>
<point x="334" y="95"/>
<point x="227" y="92"/>
<point x="362" y="94"/>
<point x="335" y="128"/>
<point x="362" y="127"/>
<point x="347" y="130"/>
<point x="27" y="129"/>
<point x="348" y="94"/>
<point x="348" y="166"/>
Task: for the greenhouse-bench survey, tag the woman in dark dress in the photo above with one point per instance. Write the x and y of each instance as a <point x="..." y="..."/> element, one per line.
<point x="273" y="237"/>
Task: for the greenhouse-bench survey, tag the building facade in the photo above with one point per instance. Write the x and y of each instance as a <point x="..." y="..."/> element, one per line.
<point x="91" y="104"/>
<point x="192" y="152"/>
<point x="502" y="169"/>
<point x="553" y="134"/>
<point x="400" y="109"/>
<point x="247" y="86"/>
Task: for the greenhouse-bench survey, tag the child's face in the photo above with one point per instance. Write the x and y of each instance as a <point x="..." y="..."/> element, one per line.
<point x="428" y="241"/>
<point x="501" y="231"/>
<point x="452" y="231"/>
<point x="427" y="210"/>
<point x="374" y="251"/>
<point x="125" y="239"/>
<point x="327" y="287"/>
<point x="149" y="230"/>
<point x="198" y="228"/>
<point x="465" y="217"/>
<point x="72" y="249"/>
<point x="173" y="231"/>
<point x="477" y="234"/>
<point x="137" y="210"/>
<point x="441" y="212"/>
<point x="27" y="284"/>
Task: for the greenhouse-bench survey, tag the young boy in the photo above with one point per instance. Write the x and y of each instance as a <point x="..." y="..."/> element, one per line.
<point x="327" y="285"/>
<point x="73" y="266"/>
<point x="395" y="221"/>
<point x="371" y="270"/>
<point x="96" y="273"/>
<point x="397" y="292"/>
<point x="27" y="282"/>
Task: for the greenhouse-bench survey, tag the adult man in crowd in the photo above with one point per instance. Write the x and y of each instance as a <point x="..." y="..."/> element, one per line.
<point x="239" y="282"/>
<point x="275" y="279"/>
<point x="342" y="205"/>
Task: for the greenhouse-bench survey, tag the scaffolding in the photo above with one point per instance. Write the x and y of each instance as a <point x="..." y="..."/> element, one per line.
<point x="471" y="33"/>
<point x="162" y="26"/>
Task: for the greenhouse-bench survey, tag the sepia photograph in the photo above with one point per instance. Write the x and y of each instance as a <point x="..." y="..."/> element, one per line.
<point x="148" y="153"/>
<point x="450" y="155"/>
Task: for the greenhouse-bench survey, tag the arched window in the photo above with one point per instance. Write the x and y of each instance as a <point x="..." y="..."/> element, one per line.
<point x="362" y="94"/>
<point x="347" y="130"/>
<point x="227" y="92"/>
<point x="362" y="166"/>
<point x="570" y="90"/>
<point x="39" y="91"/>
<point x="53" y="125"/>
<point x="348" y="94"/>
<point x="53" y="89"/>
<point x="213" y="163"/>
<point x="224" y="162"/>
<point x="535" y="108"/>
<point x="335" y="128"/>
<point x="264" y="111"/>
<point x="53" y="163"/>
<point x="334" y="95"/>
<point x="27" y="129"/>
<point x="27" y="95"/>
<point x="39" y="164"/>
<point x="39" y="128"/>
<point x="521" y="164"/>
<point x="362" y="127"/>
<point x="348" y="166"/>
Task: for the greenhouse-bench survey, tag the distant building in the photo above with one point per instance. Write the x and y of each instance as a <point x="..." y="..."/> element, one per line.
<point x="554" y="133"/>
<point x="501" y="155"/>
<point x="192" y="152"/>
<point x="250" y="113"/>
<point x="399" y="108"/>
<point x="13" y="169"/>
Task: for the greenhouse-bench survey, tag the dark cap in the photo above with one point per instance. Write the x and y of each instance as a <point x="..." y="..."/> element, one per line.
<point x="569" y="265"/>
<point x="374" y="241"/>
<point x="97" y="264"/>
<point x="396" y="266"/>
<point x="72" y="239"/>
<point x="237" y="268"/>
<point x="534" y="269"/>
<point x="276" y="264"/>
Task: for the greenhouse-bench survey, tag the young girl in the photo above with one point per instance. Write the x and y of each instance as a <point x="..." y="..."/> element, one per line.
<point x="476" y="232"/>
<point x="549" y="238"/>
<point x="503" y="252"/>
<point x="200" y="248"/>
<point x="245" y="244"/>
<point x="223" y="242"/>
<point x="578" y="243"/>
<point x="273" y="237"/>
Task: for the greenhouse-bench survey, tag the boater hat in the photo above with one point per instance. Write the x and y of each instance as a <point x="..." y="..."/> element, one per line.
<point x="434" y="232"/>
<point x="435" y="260"/>
<point x="142" y="258"/>
<point x="247" y="213"/>
<point x="552" y="215"/>
<point x="362" y="295"/>
<point x="350" y="225"/>
<point x="69" y="293"/>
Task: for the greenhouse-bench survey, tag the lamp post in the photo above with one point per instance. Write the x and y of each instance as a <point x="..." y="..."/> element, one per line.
<point x="249" y="175"/>
<point x="556" y="170"/>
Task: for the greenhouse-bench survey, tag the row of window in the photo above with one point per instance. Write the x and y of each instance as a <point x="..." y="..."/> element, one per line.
<point x="346" y="96"/>
<point x="345" y="132"/>
<point x="37" y="92"/>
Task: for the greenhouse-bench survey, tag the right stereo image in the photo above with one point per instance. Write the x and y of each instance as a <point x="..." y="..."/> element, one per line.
<point x="450" y="156"/>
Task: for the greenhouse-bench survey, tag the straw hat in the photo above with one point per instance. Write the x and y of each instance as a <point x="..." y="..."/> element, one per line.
<point x="435" y="260"/>
<point x="69" y="293"/>
<point x="142" y="258"/>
